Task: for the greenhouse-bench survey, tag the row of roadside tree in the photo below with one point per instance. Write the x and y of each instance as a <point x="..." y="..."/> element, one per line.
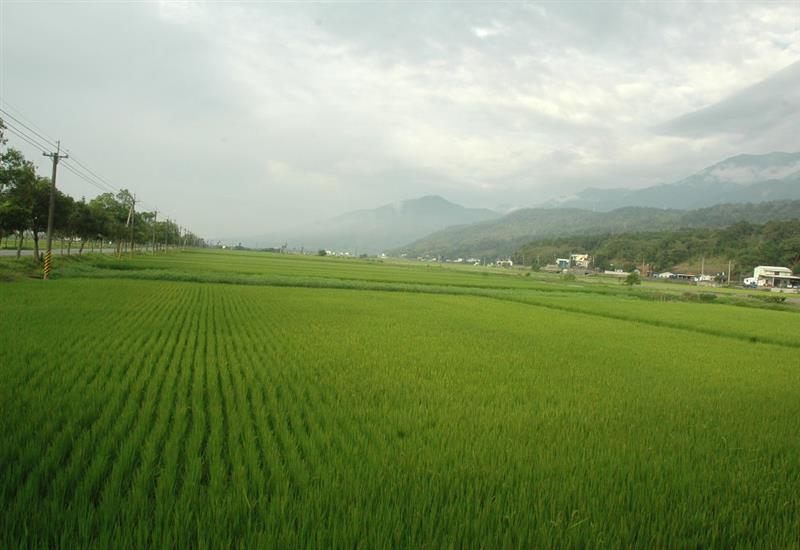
<point x="108" y="220"/>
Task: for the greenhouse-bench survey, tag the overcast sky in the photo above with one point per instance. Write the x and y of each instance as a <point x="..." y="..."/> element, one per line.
<point x="238" y="119"/>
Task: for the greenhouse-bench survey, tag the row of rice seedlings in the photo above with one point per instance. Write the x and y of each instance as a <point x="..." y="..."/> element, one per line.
<point x="275" y="363"/>
<point x="171" y="454"/>
<point x="234" y="496"/>
<point x="58" y="468"/>
<point x="238" y="321"/>
<point x="304" y="408"/>
<point x="262" y="365"/>
<point x="191" y="468"/>
<point x="157" y="424"/>
<point x="97" y="461"/>
<point x="18" y="449"/>
<point x="293" y="355"/>
<point x="277" y="475"/>
<point x="72" y="378"/>
<point x="298" y="381"/>
<point x="118" y="485"/>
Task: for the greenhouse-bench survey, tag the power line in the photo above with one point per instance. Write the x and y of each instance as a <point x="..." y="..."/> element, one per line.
<point x="4" y="106"/>
<point x="101" y="185"/>
<point x="92" y="173"/>
<point x="92" y="178"/>
<point x="27" y="138"/>
<point x="87" y="179"/>
<point x="50" y="142"/>
<point x="82" y="173"/>
<point x="53" y="144"/>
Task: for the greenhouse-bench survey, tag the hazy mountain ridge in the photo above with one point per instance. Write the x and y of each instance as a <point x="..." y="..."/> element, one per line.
<point x="503" y="236"/>
<point x="435" y="226"/>
<point x="743" y="178"/>
<point x="379" y="229"/>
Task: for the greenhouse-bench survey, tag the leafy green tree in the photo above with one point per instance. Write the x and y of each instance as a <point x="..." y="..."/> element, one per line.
<point x="85" y="223"/>
<point x="38" y="197"/>
<point x="17" y="180"/>
<point x="633" y="278"/>
<point x="111" y="211"/>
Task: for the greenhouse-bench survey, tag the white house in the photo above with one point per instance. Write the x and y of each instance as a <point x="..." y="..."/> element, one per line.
<point x="580" y="260"/>
<point x="775" y="277"/>
<point x="563" y="263"/>
<point x="504" y="263"/>
<point x="666" y="275"/>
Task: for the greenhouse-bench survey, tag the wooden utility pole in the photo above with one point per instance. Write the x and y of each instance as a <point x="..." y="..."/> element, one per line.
<point x="155" y="219"/>
<point x="127" y="224"/>
<point x="48" y="257"/>
<point x="132" y="219"/>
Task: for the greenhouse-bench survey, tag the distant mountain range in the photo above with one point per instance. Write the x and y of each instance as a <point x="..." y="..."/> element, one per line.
<point x="754" y="188"/>
<point x="503" y="236"/>
<point x="743" y="178"/>
<point x="435" y="226"/>
<point x="377" y="230"/>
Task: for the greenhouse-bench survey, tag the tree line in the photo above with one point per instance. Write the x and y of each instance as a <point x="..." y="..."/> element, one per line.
<point x="108" y="219"/>
<point x="746" y="244"/>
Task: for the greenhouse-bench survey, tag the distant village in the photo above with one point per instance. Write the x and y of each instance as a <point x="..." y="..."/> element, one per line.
<point x="765" y="277"/>
<point x="774" y="278"/>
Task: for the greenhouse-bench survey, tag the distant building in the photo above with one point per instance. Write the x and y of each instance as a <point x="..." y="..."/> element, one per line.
<point x="666" y="275"/>
<point x="504" y="263"/>
<point x="768" y="276"/>
<point x="706" y="280"/>
<point x="580" y="261"/>
<point x="562" y="263"/>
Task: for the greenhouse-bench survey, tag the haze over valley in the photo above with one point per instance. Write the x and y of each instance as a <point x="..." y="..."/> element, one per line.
<point x="431" y="226"/>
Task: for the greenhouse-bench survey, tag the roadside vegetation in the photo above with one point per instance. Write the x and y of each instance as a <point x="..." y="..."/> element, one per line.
<point x="110" y="219"/>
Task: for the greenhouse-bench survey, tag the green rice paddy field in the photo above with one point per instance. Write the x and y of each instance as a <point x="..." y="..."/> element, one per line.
<point x="216" y="399"/>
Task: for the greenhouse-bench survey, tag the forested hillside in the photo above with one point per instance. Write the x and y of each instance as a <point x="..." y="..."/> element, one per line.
<point x="508" y="234"/>
<point x="744" y="244"/>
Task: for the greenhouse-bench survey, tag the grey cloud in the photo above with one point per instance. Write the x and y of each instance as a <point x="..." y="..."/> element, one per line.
<point x="771" y="106"/>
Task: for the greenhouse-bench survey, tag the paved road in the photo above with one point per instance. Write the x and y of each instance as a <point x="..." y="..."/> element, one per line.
<point x="56" y="252"/>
